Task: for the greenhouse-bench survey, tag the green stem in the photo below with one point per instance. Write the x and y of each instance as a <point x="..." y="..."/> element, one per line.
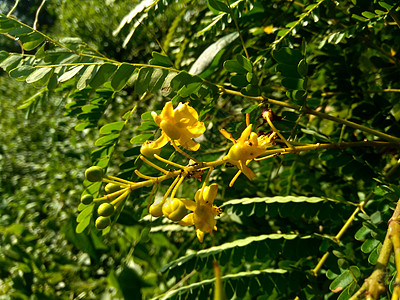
<point x="13" y="8"/>
<point x="304" y="15"/>
<point x="237" y="28"/>
<point x="307" y="110"/>
<point x="374" y="285"/>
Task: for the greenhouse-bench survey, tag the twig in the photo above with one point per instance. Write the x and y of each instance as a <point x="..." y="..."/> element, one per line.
<point x="374" y="285"/>
<point x="37" y="15"/>
<point x="13" y="8"/>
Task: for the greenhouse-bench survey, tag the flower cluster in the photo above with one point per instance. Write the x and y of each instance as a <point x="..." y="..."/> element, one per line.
<point x="179" y="127"/>
<point x="203" y="211"/>
<point x="246" y="148"/>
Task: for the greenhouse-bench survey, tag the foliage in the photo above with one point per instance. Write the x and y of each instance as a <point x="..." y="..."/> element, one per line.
<point x="316" y="79"/>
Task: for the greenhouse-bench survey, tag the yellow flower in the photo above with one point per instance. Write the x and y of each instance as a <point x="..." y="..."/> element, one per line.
<point x="204" y="212"/>
<point x="246" y="148"/>
<point x="179" y="125"/>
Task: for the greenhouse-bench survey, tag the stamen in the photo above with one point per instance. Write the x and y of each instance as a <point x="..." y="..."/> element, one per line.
<point x="234" y="178"/>
<point x="169" y="162"/>
<point x="152" y="164"/>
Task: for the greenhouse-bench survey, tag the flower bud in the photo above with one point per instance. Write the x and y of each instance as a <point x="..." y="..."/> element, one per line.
<point x="148" y="150"/>
<point x="174" y="209"/>
<point x="94" y="174"/>
<point x="111" y="188"/>
<point x="210" y="192"/>
<point x="156" y="208"/>
<point x="87" y="199"/>
<point x="102" y="222"/>
<point x="105" y="209"/>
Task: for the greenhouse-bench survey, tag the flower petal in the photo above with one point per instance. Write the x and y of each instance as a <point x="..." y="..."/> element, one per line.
<point x="189" y="144"/>
<point x="245" y="134"/>
<point x="160" y="142"/>
<point x="227" y="135"/>
<point x="187" y="220"/>
<point x="246" y="170"/>
<point x="190" y="204"/>
<point x="200" y="235"/>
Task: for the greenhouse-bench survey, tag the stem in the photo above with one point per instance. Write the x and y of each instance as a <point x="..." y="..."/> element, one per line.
<point x="295" y="24"/>
<point x="237" y="28"/>
<point x="37" y="14"/>
<point x="307" y="110"/>
<point x="341" y="232"/>
<point x="13" y="8"/>
<point x="374" y="285"/>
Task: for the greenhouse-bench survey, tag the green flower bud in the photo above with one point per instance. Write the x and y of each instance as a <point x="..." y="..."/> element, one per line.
<point x="111" y="188"/>
<point x="94" y="174"/>
<point x="106" y="209"/>
<point x="102" y="222"/>
<point x="87" y="199"/>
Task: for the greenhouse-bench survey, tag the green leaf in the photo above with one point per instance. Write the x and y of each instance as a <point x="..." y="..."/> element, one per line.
<point x="143" y="79"/>
<point x="229" y="246"/>
<point x="368" y="14"/>
<point x="277" y="199"/>
<point x="108" y="139"/>
<point x="11" y="62"/>
<point x="102" y="75"/>
<point x="70" y="73"/>
<point x="122" y="76"/>
<point x="86" y="212"/>
<point x="239" y="80"/>
<point x="288" y="56"/>
<point x="183" y="79"/>
<point x="21" y="72"/>
<point x="86" y="76"/>
<point x="359" y="18"/>
<point x="240" y="65"/>
<point x="207" y="56"/>
<point x="6" y="24"/>
<point x="40" y="77"/>
<point x="374" y="255"/>
<point x="288" y="71"/>
<point x="302" y="68"/>
<point x="369" y="245"/>
<point x="294" y="83"/>
<point x="268" y="273"/>
<point x="362" y="233"/>
<point x="3" y="55"/>
<point x="160" y="60"/>
<point x="157" y="79"/>
<point x="112" y="127"/>
<point x="141" y="138"/>
<point x="218" y="5"/>
<point x="32" y="40"/>
<point x="342" y="281"/>
<point x="385" y="5"/>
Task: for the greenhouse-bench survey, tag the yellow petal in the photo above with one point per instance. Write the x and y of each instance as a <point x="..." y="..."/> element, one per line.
<point x="197" y="129"/>
<point x="189" y="144"/>
<point x="200" y="235"/>
<point x="187" y="220"/>
<point x="245" y="134"/>
<point x="253" y="139"/>
<point x="170" y="129"/>
<point x="168" y="111"/>
<point x="160" y="142"/>
<point x="210" y="192"/>
<point x="246" y="170"/>
<point x="227" y="135"/>
<point x="190" y="204"/>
